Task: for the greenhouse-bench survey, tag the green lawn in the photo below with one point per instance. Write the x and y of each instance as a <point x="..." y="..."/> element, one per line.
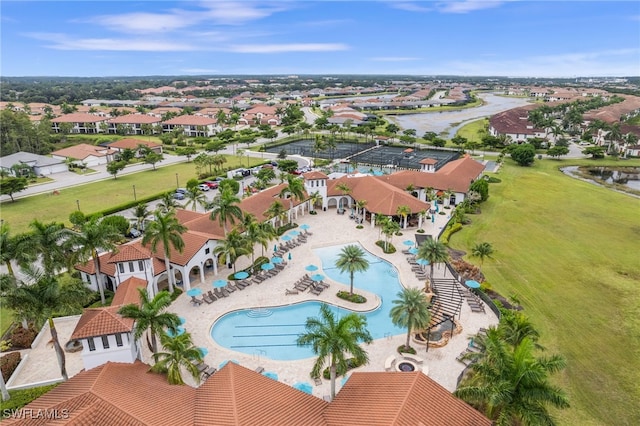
<point x="569" y="250"/>
<point x="97" y="196"/>
<point x="470" y="130"/>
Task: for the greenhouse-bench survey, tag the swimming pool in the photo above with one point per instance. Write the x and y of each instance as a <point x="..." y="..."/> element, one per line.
<point x="272" y="332"/>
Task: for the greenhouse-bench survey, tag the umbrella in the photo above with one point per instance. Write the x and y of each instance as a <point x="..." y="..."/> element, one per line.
<point x="271" y="375"/>
<point x="194" y="292"/>
<point x="277" y="259"/>
<point x="182" y="320"/>
<point x="472" y="284"/>
<point x="289" y="256"/>
<point x="240" y="275"/>
<point x="317" y="277"/>
<point x="408" y="243"/>
<point x="179" y="331"/>
<point x="433" y="218"/>
<point x="422" y="262"/>
<point x="286" y="238"/>
<point x="219" y="283"/>
<point x="267" y="266"/>
<point x="203" y="351"/>
<point x="413" y="250"/>
<point x="294" y="232"/>
<point x="304" y="226"/>
<point x="311" y="268"/>
<point x="304" y="387"/>
<point x="275" y="248"/>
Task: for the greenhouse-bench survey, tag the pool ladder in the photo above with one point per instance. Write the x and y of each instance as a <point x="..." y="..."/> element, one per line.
<point x="259" y="313"/>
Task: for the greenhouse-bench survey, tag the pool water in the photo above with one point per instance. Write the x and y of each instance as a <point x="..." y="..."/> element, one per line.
<point x="271" y="332"/>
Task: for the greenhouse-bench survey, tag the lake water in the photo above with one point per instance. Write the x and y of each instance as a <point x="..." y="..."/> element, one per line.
<point x="626" y="176"/>
<point x="451" y="121"/>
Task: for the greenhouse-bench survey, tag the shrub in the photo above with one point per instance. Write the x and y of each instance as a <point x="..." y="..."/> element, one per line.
<point x="22" y="337"/>
<point x="492" y="179"/>
<point x="449" y="230"/>
<point x="5" y="345"/>
<point x="354" y="298"/>
<point x="359" y="227"/>
<point x="351" y="364"/>
<point x="9" y="363"/>
<point x="390" y="247"/>
<point x="313" y="212"/>
<point x="442" y="213"/>
<point x="420" y="231"/>
<point x="406" y="350"/>
<point x="176" y="293"/>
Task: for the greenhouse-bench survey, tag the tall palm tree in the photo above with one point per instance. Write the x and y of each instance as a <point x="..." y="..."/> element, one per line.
<point x="435" y="252"/>
<point x="167" y="231"/>
<point x="225" y="208"/>
<point x="294" y="189"/>
<point x="167" y="203"/>
<point x="352" y="259"/>
<point x="276" y="210"/>
<point x="360" y="205"/>
<point x="342" y="187"/>
<point x="266" y="233"/>
<point x="404" y="212"/>
<point x="389" y="229"/>
<point x="315" y="199"/>
<point x="251" y="228"/>
<point x="483" y="251"/>
<point x="232" y="247"/>
<point x="150" y="315"/>
<point x="194" y="197"/>
<point x="42" y="298"/>
<point x="331" y="340"/>
<point x="516" y="326"/>
<point x="410" y="310"/>
<point x="11" y="248"/>
<point x="141" y="212"/>
<point x="179" y="353"/>
<point x="46" y="242"/>
<point x="511" y="385"/>
<point x="94" y="236"/>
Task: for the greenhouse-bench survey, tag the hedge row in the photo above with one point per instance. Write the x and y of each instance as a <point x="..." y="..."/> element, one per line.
<point x="449" y="230"/>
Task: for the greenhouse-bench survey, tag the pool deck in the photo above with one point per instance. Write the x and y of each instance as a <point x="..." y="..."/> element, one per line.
<point x="327" y="229"/>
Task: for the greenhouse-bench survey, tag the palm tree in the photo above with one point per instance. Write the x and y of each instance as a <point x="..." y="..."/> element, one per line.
<point x="251" y="228"/>
<point x="150" y="315"/>
<point x="360" y="205"/>
<point x="435" y="252"/>
<point x="167" y="203"/>
<point x="232" y="247"/>
<point x="180" y="353"/>
<point x="404" y="212"/>
<point x="332" y="339"/>
<point x="266" y="233"/>
<point x="225" y="208"/>
<point x="410" y="310"/>
<point x="165" y="230"/>
<point x="45" y="241"/>
<point x="294" y="189"/>
<point x="95" y="235"/>
<point x="511" y="386"/>
<point x="315" y="199"/>
<point x="482" y="250"/>
<point x="344" y="189"/>
<point x="516" y="326"/>
<point x="11" y="248"/>
<point x="194" y="197"/>
<point x="352" y="259"/>
<point x="276" y="210"/>
<point x="43" y="298"/>
<point x="389" y="228"/>
<point x="141" y="212"/>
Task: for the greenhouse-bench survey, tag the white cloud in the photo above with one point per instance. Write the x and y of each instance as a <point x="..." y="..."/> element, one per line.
<point x="232" y="13"/>
<point x="465" y="6"/>
<point x="291" y="47"/>
<point x="393" y="59"/>
<point x="63" y="42"/>
<point x="145" y="22"/>
<point x="409" y="6"/>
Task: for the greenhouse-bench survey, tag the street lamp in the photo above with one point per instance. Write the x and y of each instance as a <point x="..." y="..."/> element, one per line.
<point x="134" y="194"/>
<point x="78" y="204"/>
<point x="177" y="183"/>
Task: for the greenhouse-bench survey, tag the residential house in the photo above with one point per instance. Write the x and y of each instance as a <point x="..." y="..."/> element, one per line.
<point x="39" y="165"/>
<point x="135" y="144"/>
<point x="134" y="124"/>
<point x="193" y="125"/>
<point x="89" y="155"/>
<point x="515" y="124"/>
<point x="80" y="122"/>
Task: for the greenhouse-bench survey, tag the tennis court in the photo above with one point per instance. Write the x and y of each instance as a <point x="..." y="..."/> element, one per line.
<point x="404" y="158"/>
<point x="305" y="148"/>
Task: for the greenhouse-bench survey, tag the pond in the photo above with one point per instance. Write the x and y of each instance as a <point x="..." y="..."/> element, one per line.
<point x="628" y="177"/>
<point x="451" y="121"/>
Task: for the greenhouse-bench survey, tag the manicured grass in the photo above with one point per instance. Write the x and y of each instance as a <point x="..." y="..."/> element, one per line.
<point x="97" y="196"/>
<point x="569" y="251"/>
<point x="470" y="130"/>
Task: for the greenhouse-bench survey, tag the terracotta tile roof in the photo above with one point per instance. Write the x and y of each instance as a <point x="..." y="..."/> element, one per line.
<point x="315" y="175"/>
<point x="82" y="151"/>
<point x="191" y="120"/>
<point x="79" y="117"/>
<point x="258" y="203"/>
<point x="96" y="322"/>
<point x="381" y="197"/>
<point x="399" y="399"/>
<point x="193" y="242"/>
<point x="456" y="175"/>
<point x="130" y="252"/>
<point x="127" y="292"/>
<point x="117" y="394"/>
<point x="105" y="267"/>
<point x="428" y="161"/>
<point x="131" y="143"/>
<point x="515" y="120"/>
<point x="236" y="395"/>
<point x="135" y="119"/>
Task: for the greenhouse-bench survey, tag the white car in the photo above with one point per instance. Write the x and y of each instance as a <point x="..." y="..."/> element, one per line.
<point x="203" y="187"/>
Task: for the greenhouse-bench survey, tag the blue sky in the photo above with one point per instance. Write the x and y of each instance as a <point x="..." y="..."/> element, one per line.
<point x="465" y="37"/>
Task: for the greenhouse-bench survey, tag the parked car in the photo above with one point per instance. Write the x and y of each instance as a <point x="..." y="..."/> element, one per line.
<point x="296" y="172"/>
<point x="274" y="163"/>
<point x="203" y="187"/>
<point x="179" y="195"/>
<point x="133" y="233"/>
<point x="181" y="190"/>
<point x="243" y="172"/>
<point x="212" y="184"/>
